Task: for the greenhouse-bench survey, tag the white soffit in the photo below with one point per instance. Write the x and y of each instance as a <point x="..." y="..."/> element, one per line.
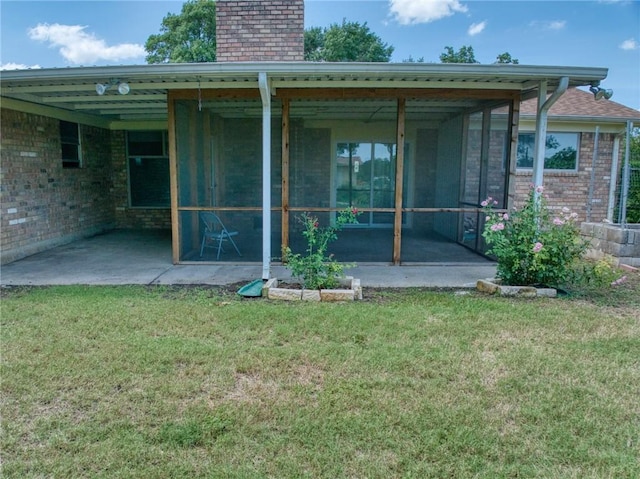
<point x="73" y="89"/>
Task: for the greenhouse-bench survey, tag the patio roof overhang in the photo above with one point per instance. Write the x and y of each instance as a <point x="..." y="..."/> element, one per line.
<point x="70" y="93"/>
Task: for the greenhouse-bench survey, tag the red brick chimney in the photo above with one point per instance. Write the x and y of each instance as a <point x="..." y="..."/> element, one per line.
<point x="259" y="30"/>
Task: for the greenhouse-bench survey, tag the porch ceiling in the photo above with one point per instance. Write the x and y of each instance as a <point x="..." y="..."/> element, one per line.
<point x="72" y="90"/>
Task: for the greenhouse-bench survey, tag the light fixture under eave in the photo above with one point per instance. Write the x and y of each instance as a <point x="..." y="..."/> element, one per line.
<point x="123" y="87"/>
<point x="101" y="89"/>
<point x="600" y="93"/>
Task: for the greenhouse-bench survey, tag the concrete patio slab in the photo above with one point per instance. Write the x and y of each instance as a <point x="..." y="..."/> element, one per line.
<point x="135" y="257"/>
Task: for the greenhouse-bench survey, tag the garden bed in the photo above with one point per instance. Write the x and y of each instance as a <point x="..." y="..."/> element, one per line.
<point x="349" y="290"/>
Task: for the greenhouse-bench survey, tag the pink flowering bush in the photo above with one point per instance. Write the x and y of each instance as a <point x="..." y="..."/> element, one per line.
<point x="532" y="245"/>
<point x="316" y="268"/>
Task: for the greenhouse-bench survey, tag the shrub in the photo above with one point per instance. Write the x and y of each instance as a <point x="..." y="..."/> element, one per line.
<point x="532" y="245"/>
<point x="316" y="268"/>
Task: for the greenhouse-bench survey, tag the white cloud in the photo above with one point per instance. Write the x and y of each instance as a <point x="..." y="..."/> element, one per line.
<point x="476" y="28"/>
<point x="79" y="47"/>
<point x="549" y="24"/>
<point x="410" y="12"/>
<point x="630" y="44"/>
<point x="18" y="66"/>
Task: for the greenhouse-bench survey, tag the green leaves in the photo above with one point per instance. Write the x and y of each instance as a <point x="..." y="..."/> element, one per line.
<point x="532" y="245"/>
<point x="463" y="55"/>
<point x="189" y="37"/>
<point x="317" y="269"/>
<point x="349" y="42"/>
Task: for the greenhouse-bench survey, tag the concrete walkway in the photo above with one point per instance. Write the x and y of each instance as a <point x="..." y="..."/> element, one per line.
<point x="125" y="257"/>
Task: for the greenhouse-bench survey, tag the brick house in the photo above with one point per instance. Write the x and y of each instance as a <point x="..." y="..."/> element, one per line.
<point x="261" y="135"/>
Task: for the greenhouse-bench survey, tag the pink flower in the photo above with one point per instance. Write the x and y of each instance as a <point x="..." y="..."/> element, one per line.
<point x="539" y="189"/>
<point x="484" y="203"/>
<point x="495" y="202"/>
<point x="354" y="211"/>
<point x="497" y="227"/>
<point x="537" y="247"/>
<point x="557" y="221"/>
<point x="505" y="217"/>
<point x="316" y="224"/>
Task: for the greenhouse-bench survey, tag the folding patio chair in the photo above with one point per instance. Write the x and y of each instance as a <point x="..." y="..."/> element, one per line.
<point x="215" y="233"/>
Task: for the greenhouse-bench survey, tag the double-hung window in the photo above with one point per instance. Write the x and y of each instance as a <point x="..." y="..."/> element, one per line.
<point x="70" y="144"/>
<point x="148" y="164"/>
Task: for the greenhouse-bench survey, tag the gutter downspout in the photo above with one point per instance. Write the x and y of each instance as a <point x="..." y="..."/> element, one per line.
<point x="265" y="94"/>
<point x="541" y="126"/>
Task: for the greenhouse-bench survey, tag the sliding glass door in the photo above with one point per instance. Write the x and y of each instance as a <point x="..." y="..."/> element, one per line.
<point x="365" y="178"/>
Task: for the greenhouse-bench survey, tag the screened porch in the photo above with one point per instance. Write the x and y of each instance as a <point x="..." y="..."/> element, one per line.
<point x="336" y="149"/>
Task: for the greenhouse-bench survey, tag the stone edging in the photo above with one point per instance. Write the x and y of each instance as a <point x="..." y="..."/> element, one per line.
<point x="490" y="286"/>
<point x="350" y="291"/>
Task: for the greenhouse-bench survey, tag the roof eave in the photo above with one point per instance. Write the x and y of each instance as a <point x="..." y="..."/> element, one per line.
<point x="578" y="75"/>
<point x="584" y="119"/>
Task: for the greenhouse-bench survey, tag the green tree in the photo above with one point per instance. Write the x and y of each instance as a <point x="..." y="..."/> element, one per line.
<point x="634" y="148"/>
<point x="633" y="198"/>
<point x="189" y="36"/>
<point x="464" y="55"/>
<point x="506" y="58"/>
<point x="348" y="42"/>
<point x="313" y="44"/>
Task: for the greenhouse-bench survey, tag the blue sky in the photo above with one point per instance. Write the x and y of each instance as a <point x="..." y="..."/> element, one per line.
<point x="599" y="33"/>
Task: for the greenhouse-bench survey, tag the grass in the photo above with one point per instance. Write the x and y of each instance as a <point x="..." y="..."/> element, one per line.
<point x="191" y="382"/>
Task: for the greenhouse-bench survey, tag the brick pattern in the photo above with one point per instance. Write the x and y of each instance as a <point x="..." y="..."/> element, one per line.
<point x="425" y="176"/>
<point x="259" y="30"/>
<point x="43" y="204"/>
<point x="571" y="189"/>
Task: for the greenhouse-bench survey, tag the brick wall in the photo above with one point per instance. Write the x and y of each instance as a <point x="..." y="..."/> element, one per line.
<point x="259" y="30"/>
<point x="425" y="177"/>
<point x="43" y="204"/>
<point x="571" y="189"/>
<point x="127" y="217"/>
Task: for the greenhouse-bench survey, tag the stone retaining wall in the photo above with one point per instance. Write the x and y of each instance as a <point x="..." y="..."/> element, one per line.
<point x="611" y="239"/>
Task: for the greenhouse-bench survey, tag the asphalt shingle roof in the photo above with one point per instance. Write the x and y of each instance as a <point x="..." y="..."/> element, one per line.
<point x="578" y="103"/>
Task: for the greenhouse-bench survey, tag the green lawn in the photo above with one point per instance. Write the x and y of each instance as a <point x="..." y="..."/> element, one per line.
<point x="188" y="382"/>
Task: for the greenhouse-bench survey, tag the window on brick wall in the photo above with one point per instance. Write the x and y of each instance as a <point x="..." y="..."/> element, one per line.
<point x="148" y="166"/>
<point x="561" y="152"/>
<point x="70" y="144"/>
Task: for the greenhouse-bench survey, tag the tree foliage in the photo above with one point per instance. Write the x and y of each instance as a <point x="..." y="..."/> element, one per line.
<point x="189" y="36"/>
<point x="348" y="42"/>
<point x="506" y="58"/>
<point x="633" y="197"/>
<point x="463" y="55"/>
<point x="466" y="55"/>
